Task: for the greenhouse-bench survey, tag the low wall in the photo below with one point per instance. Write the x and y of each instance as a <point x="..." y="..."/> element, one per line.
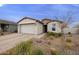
<point x="72" y="30"/>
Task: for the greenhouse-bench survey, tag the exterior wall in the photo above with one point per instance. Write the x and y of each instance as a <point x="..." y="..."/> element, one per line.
<point x="25" y="21"/>
<point x="12" y="28"/>
<point x="72" y="30"/>
<point x="19" y="28"/>
<point x="57" y="27"/>
<point x="39" y="28"/>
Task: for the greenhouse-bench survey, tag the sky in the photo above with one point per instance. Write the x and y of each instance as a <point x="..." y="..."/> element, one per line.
<point x="15" y="12"/>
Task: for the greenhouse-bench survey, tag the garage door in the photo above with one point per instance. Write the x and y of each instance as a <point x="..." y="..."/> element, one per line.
<point x="29" y="28"/>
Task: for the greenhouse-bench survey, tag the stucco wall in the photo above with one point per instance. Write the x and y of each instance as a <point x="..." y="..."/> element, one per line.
<point x="19" y="28"/>
<point x="39" y="28"/>
<point x="57" y="27"/>
<point x="12" y="28"/>
<point x="25" y="21"/>
<point x="72" y="30"/>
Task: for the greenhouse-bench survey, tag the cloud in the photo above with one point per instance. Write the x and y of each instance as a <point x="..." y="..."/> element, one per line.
<point x="1" y="5"/>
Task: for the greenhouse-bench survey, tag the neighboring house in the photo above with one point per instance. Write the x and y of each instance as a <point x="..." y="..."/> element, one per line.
<point x="30" y="26"/>
<point x="7" y="26"/>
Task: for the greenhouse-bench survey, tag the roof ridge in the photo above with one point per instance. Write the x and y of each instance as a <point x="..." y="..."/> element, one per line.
<point x="30" y="18"/>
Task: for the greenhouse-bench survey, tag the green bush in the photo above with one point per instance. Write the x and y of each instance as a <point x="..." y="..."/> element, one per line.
<point x="24" y="48"/>
<point x="54" y="34"/>
<point x="37" y="52"/>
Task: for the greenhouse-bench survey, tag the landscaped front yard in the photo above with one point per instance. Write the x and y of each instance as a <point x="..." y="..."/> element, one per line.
<point x="49" y="44"/>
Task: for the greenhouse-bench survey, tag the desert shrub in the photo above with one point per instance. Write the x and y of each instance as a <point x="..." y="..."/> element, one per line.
<point x="51" y="38"/>
<point x="12" y="51"/>
<point x="54" y="34"/>
<point x="69" y="33"/>
<point x="2" y="33"/>
<point x="37" y="51"/>
<point x="68" y="45"/>
<point x="38" y="41"/>
<point x="53" y="51"/>
<point x="48" y="42"/>
<point x="68" y="40"/>
<point x="24" y="48"/>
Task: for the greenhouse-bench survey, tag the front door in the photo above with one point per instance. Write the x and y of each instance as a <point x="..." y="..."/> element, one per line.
<point x="45" y="28"/>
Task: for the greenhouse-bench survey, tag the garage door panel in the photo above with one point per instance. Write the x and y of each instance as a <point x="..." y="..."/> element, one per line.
<point x="29" y="28"/>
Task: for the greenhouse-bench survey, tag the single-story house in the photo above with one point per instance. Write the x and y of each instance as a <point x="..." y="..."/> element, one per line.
<point x="7" y="26"/>
<point x="30" y="26"/>
<point x="33" y="26"/>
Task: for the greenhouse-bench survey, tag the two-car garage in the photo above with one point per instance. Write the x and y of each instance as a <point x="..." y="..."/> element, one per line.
<point x="30" y="26"/>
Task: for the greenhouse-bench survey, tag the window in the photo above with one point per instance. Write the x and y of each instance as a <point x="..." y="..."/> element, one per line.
<point x="7" y="26"/>
<point x="53" y="27"/>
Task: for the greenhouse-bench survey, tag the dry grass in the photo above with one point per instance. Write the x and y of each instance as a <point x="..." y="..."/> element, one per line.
<point x="53" y="51"/>
<point x="69" y="45"/>
<point x="24" y="48"/>
<point x="50" y="45"/>
<point x="68" y="40"/>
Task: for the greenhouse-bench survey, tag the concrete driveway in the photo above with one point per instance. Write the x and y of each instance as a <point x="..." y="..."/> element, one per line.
<point x="9" y="41"/>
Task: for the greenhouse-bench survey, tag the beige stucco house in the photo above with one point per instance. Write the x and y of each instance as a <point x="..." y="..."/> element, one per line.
<point x="30" y="26"/>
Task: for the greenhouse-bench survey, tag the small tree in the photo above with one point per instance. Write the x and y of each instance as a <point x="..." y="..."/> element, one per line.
<point x="66" y="21"/>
